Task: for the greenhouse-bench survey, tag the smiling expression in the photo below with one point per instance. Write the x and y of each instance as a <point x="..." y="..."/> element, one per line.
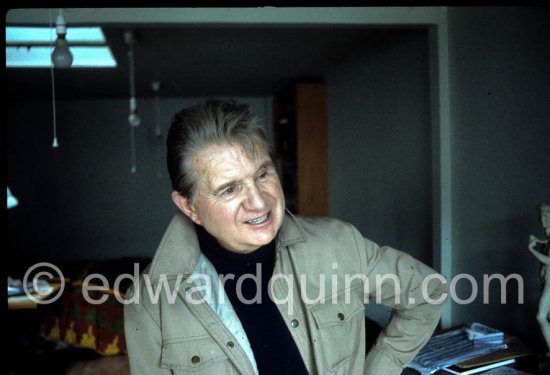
<point x="239" y="201"/>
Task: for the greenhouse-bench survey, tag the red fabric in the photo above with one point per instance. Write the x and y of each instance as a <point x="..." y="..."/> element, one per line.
<point x="75" y="321"/>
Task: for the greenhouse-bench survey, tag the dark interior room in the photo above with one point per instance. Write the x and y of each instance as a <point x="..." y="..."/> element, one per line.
<point x="427" y="128"/>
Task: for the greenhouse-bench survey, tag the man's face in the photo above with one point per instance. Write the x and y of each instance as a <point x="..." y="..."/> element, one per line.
<point x="240" y="201"/>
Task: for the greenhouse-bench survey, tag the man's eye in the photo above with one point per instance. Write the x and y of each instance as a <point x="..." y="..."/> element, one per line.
<point x="263" y="175"/>
<point x="228" y="190"/>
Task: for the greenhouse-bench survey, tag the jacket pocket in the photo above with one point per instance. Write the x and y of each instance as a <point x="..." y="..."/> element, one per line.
<point x="339" y="328"/>
<point x="201" y="355"/>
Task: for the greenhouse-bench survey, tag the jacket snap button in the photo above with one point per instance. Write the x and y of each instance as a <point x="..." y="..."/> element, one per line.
<point x="341" y="316"/>
<point x="294" y="323"/>
<point x="230" y="345"/>
<point x="195" y="360"/>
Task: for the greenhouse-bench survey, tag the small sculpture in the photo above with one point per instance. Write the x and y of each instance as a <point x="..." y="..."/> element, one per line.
<point x="541" y="250"/>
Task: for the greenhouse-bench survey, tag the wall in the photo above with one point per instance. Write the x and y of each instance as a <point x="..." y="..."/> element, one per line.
<point x="80" y="201"/>
<point x="379" y="145"/>
<point x="500" y="120"/>
<point x="500" y="108"/>
<point x="379" y="148"/>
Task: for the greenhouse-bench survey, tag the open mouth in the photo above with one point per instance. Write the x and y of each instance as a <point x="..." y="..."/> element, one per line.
<point x="259" y="220"/>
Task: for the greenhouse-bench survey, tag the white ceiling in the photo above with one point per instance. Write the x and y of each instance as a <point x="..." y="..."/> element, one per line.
<point x="214" y="51"/>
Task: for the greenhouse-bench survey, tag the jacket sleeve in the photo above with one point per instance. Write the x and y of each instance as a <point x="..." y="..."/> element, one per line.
<point x="143" y="340"/>
<point x="415" y="292"/>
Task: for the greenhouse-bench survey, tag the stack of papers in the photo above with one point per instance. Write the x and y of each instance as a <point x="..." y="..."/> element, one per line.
<point x="455" y="346"/>
<point x="460" y="371"/>
<point x="483" y="335"/>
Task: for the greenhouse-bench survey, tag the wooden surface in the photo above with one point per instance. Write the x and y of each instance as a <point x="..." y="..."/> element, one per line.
<point x="312" y="154"/>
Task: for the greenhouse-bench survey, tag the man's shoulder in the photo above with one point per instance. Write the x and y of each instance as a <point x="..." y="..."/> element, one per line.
<point x="326" y="241"/>
<point x="322" y="224"/>
<point x="328" y="230"/>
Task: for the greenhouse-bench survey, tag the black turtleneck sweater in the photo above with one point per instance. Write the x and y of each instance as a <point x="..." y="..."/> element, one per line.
<point x="274" y="348"/>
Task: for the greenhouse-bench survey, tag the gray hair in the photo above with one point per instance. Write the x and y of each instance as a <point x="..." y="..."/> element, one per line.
<point x="212" y="122"/>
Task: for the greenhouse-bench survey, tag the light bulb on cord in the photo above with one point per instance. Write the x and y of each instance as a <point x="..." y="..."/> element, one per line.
<point x="155" y="86"/>
<point x="133" y="118"/>
<point x="61" y="55"/>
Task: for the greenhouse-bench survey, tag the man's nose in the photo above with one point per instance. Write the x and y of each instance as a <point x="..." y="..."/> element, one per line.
<point x="255" y="199"/>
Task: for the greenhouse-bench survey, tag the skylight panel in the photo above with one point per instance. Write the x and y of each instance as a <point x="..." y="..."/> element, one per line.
<point x="39" y="35"/>
<point x="40" y="57"/>
<point x="31" y="47"/>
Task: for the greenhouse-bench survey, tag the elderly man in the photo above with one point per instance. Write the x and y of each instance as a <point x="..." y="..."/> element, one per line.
<point x="250" y="288"/>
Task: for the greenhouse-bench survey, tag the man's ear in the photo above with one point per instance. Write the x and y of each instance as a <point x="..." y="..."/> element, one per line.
<point x="185" y="206"/>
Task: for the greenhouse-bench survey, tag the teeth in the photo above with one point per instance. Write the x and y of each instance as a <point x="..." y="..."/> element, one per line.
<point x="258" y="220"/>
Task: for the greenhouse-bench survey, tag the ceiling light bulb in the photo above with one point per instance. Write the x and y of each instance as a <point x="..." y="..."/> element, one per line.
<point x="61" y="55"/>
<point x="134" y="119"/>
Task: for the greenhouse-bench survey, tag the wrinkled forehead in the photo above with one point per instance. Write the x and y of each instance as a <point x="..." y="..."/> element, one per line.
<point x="228" y="161"/>
<point x="256" y="153"/>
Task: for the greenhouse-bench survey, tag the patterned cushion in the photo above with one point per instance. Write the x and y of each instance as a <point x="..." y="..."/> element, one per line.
<point x="78" y="321"/>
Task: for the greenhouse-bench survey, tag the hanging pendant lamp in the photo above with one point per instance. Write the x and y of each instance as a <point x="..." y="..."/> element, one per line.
<point x="61" y="55"/>
<point x="133" y="118"/>
<point x="155" y="86"/>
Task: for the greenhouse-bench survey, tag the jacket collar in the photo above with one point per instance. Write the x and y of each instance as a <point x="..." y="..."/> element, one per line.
<point x="178" y="252"/>
<point x="291" y="231"/>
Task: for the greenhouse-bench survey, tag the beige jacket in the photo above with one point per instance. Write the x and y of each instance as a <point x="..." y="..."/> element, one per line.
<point x="324" y="273"/>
